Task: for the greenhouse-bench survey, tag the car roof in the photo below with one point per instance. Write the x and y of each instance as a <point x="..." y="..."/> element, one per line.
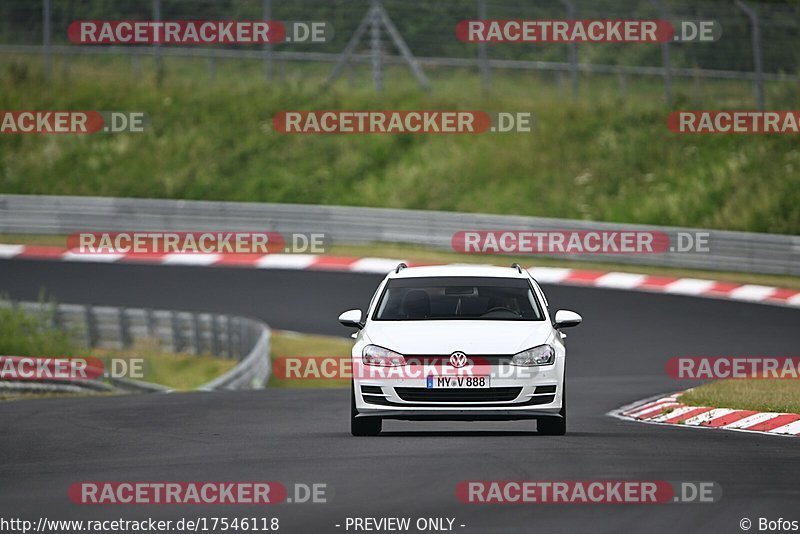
<point x="491" y="271"/>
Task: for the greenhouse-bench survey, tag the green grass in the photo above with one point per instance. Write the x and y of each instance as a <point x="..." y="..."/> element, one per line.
<point x="23" y="333"/>
<point x="601" y="158"/>
<point x="760" y="395"/>
<point x="34" y="239"/>
<point x="31" y="334"/>
<point x="302" y="345"/>
<point x="181" y="371"/>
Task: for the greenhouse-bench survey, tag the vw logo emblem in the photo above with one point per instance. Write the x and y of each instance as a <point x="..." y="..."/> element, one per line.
<point x="458" y="359"/>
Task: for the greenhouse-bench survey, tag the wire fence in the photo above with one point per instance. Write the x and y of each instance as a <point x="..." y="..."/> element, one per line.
<point x="758" y="44"/>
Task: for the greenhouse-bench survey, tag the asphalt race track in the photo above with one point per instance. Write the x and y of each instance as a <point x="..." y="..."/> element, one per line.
<point x="617" y="356"/>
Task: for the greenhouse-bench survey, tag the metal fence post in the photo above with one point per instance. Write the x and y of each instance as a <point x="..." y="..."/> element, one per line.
<point x="157" y="57"/>
<point x="151" y="324"/>
<point x="229" y="336"/>
<point x="246" y="341"/>
<point x="758" y="59"/>
<point x="373" y="20"/>
<point x="124" y="331"/>
<point x="483" y="56"/>
<point x="212" y="68"/>
<point x="375" y="46"/>
<point x="215" y="348"/>
<point x="666" y="55"/>
<point x="47" y="38"/>
<point x="241" y="339"/>
<point x="622" y="82"/>
<point x="666" y="58"/>
<point x="402" y="47"/>
<point x="196" y="332"/>
<point x="266" y="14"/>
<point x="135" y="65"/>
<point x="66" y="63"/>
<point x="177" y="342"/>
<point x="55" y="319"/>
<point x="697" y="97"/>
<point x="91" y="334"/>
<point x="573" y="50"/>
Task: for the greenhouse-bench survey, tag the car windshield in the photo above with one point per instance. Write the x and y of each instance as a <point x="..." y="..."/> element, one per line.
<point x="458" y="298"/>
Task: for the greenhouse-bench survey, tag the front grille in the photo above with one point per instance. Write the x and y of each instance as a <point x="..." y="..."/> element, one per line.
<point x="542" y="399"/>
<point x="458" y="394"/>
<point x="375" y="399"/>
<point x="472" y="359"/>
<point x="383" y="401"/>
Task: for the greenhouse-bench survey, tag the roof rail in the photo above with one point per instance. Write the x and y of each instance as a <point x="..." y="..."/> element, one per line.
<point x="399" y="267"/>
<point x="517" y="267"/>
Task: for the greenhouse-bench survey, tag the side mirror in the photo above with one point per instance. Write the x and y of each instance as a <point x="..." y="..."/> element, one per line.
<point x="351" y="318"/>
<point x="567" y="318"/>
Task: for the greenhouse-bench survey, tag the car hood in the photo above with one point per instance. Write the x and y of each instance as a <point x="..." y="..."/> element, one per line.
<point x="468" y="336"/>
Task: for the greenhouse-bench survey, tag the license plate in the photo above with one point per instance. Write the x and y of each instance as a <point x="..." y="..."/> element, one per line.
<point x="446" y="382"/>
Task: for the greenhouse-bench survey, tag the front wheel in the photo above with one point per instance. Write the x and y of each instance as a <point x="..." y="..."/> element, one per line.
<point x="552" y="426"/>
<point x="362" y="426"/>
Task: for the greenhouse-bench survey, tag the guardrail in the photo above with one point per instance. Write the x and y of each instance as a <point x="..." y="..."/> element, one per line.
<point x="239" y="338"/>
<point x="22" y="214"/>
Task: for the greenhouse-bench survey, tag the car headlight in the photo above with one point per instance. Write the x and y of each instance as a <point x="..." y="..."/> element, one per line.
<point x="541" y="355"/>
<point x="375" y="355"/>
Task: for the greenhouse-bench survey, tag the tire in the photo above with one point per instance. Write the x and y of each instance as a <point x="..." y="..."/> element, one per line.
<point x="552" y="426"/>
<point x="362" y="426"/>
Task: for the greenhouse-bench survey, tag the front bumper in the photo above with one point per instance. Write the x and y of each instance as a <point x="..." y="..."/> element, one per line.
<point x="533" y="397"/>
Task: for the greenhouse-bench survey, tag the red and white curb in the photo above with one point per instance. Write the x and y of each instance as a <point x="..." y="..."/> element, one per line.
<point x="670" y="411"/>
<point x="546" y="275"/>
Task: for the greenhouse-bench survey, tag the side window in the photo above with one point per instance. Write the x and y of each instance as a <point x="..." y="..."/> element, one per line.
<point x="374" y="298"/>
<point x="540" y="293"/>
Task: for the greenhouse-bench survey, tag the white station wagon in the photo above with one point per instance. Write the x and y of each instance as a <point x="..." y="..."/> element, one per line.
<point x="458" y="343"/>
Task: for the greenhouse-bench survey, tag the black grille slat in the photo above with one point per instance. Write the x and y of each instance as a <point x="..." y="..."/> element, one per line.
<point x="533" y="401"/>
<point x="374" y="399"/>
<point x="473" y="359"/>
<point x="477" y="395"/>
<point x="383" y="401"/>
